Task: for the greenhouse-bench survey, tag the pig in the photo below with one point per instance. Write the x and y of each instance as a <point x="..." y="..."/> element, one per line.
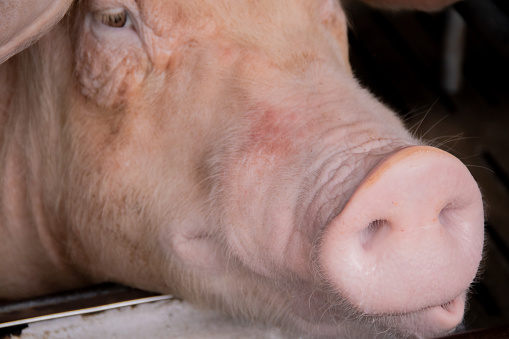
<point x="223" y="151"/>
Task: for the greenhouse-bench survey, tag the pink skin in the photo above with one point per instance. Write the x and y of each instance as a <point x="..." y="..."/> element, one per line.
<point x="223" y="152"/>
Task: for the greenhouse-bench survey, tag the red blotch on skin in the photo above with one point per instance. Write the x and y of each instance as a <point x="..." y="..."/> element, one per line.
<point x="271" y="135"/>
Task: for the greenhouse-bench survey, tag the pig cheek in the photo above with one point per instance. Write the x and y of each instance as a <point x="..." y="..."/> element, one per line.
<point x="109" y="75"/>
<point x="261" y="205"/>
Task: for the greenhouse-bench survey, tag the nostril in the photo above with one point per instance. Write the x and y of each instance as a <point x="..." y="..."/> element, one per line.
<point x="448" y="216"/>
<point x="375" y="231"/>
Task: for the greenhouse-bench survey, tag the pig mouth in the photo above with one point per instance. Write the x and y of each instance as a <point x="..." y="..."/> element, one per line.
<point x="451" y="311"/>
<point x="430" y="321"/>
<point x="437" y="320"/>
<point x="453" y="305"/>
<point x="449" y="306"/>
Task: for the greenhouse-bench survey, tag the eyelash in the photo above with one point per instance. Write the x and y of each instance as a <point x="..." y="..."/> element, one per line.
<point x="114" y="19"/>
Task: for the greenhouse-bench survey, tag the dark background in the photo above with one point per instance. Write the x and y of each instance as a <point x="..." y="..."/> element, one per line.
<point x="400" y="57"/>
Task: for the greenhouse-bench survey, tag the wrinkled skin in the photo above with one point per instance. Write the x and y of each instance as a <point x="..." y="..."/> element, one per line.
<point x="208" y="149"/>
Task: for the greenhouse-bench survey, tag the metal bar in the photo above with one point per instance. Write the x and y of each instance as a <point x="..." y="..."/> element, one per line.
<point x="86" y="310"/>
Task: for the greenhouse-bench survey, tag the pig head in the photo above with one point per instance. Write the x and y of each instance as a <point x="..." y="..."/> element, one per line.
<point x="222" y="151"/>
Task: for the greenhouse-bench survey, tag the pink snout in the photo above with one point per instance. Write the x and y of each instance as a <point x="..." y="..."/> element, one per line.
<point x="410" y="239"/>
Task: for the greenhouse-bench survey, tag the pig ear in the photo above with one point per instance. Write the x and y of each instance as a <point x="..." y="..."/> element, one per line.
<point x="423" y="5"/>
<point x="22" y="22"/>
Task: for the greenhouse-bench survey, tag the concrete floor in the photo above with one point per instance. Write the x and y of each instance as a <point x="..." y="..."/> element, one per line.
<point x="168" y="319"/>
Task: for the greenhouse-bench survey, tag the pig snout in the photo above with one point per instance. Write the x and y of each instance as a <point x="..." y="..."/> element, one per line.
<point x="410" y="239"/>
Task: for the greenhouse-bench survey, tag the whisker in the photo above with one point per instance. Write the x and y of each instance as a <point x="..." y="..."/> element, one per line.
<point x="470" y="156"/>
<point x="481" y="167"/>
<point x="434" y="125"/>
<point x="419" y="123"/>
<point x="437" y="142"/>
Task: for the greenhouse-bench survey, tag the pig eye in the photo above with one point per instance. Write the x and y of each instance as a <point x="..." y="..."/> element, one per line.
<point x="117" y="18"/>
